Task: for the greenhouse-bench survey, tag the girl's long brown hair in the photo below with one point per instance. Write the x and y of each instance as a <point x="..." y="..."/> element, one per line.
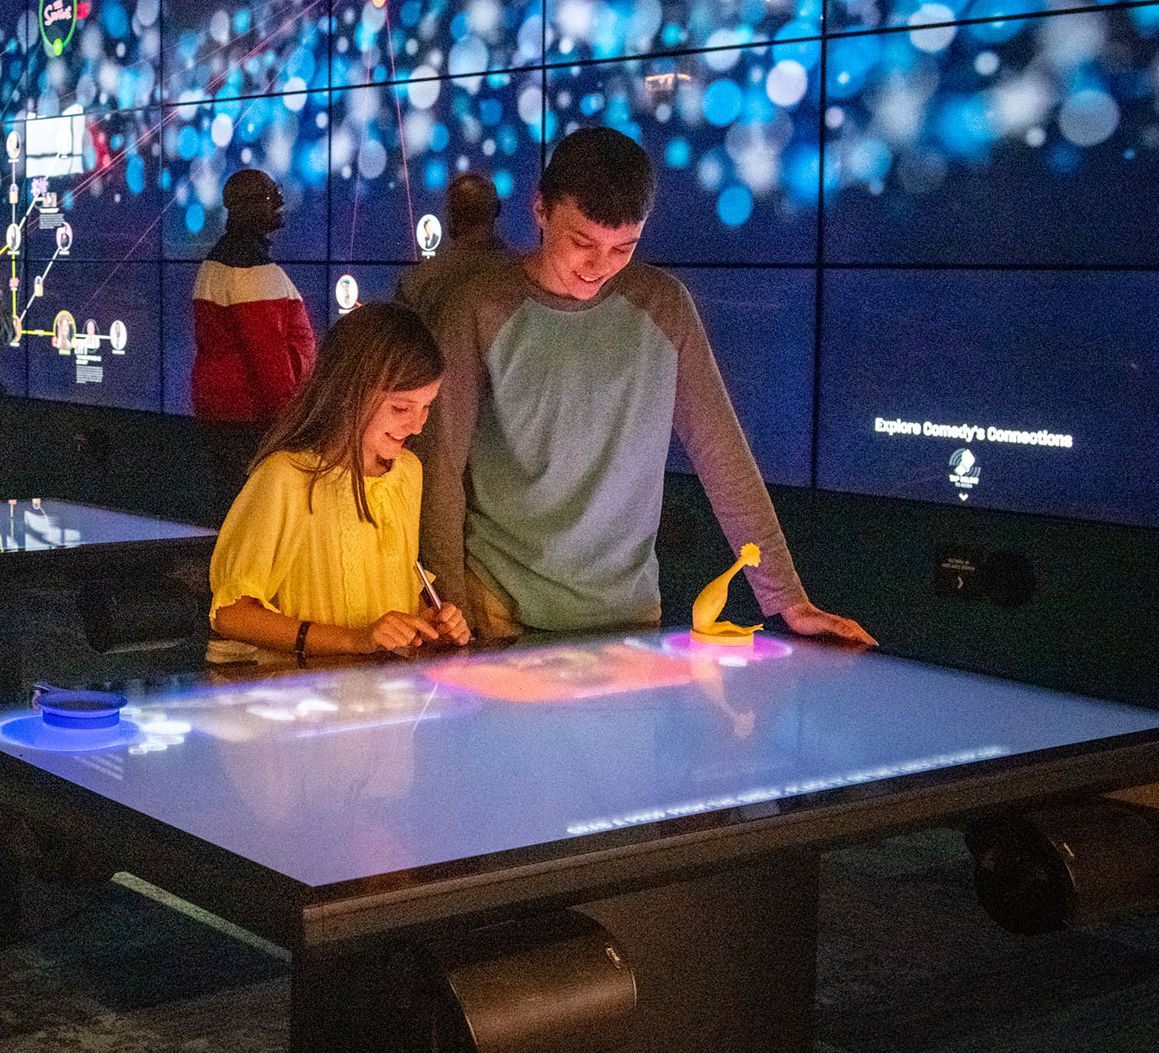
<point x="375" y="349"/>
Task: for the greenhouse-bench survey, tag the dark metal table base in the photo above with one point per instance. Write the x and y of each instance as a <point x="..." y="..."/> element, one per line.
<point x="724" y="962"/>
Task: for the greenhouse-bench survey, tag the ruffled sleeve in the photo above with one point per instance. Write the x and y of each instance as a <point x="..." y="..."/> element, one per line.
<point x="260" y="536"/>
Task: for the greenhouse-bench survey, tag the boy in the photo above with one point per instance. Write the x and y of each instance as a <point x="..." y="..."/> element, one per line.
<point x="567" y="373"/>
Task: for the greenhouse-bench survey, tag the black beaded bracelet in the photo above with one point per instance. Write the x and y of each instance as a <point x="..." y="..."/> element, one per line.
<point x="300" y="643"/>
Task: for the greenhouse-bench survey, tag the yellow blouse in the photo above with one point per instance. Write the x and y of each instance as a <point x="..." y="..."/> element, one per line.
<point x="326" y="565"/>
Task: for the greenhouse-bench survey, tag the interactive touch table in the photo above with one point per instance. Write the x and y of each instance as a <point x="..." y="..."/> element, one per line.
<point x="678" y="794"/>
<point x="46" y="525"/>
<point x="78" y="579"/>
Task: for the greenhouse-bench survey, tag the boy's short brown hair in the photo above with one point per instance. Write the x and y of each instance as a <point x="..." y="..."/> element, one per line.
<point x="608" y="175"/>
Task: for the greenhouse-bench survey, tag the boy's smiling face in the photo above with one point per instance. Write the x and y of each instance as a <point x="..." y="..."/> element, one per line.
<point x="579" y="256"/>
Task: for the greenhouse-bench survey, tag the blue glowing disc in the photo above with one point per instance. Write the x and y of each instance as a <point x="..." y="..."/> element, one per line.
<point x="77" y="709"/>
<point x="71" y="721"/>
<point x="31" y="732"/>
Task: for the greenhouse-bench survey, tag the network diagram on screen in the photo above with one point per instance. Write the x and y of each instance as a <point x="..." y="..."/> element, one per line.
<point x="65" y="336"/>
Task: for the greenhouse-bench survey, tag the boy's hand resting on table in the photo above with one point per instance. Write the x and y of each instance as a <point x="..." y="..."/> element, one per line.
<point x="808" y="620"/>
<point x="449" y="622"/>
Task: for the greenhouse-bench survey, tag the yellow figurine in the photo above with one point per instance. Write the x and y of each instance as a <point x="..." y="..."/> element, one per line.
<point x="711" y="601"/>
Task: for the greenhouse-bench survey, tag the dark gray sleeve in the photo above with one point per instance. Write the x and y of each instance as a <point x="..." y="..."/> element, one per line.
<point x="706" y="424"/>
<point x="413" y="290"/>
<point x="444" y="446"/>
<point x="466" y="325"/>
<point x="403" y="292"/>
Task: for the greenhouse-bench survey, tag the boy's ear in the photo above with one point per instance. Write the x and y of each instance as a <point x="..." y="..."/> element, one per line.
<point x="539" y="209"/>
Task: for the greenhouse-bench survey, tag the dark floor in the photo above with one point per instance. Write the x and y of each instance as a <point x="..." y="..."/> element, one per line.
<point x="908" y="963"/>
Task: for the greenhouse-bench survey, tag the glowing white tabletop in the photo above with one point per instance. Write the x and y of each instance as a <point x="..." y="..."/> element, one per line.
<point x="342" y="775"/>
<point x="48" y="523"/>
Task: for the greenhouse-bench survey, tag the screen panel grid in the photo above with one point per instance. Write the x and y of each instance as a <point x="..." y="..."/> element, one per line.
<point x="890" y="143"/>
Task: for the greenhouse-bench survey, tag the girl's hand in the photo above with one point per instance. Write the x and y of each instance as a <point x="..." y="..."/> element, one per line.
<point x="450" y="623"/>
<point x="392" y="631"/>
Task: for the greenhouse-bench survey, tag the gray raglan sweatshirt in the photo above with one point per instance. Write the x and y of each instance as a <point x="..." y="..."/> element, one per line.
<point x="546" y="448"/>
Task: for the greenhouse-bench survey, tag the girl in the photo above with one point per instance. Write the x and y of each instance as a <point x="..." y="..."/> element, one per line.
<point x="317" y="554"/>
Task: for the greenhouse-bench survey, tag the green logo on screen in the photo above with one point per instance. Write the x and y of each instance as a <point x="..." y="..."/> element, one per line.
<point x="57" y="23"/>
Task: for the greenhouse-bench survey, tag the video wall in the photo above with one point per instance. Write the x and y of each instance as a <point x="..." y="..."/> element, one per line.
<point x="921" y="233"/>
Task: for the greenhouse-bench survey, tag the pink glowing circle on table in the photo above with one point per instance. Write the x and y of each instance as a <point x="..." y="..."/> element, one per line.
<point x="763" y="649"/>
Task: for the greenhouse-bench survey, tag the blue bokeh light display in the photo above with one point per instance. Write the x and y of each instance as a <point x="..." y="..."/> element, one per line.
<point x="1051" y="106"/>
<point x="608" y="29"/>
<point x="961" y="149"/>
<point x="215" y="51"/>
<point x="846" y="15"/>
<point x="968" y="135"/>
<point x="735" y="137"/>
<point x="453" y="38"/>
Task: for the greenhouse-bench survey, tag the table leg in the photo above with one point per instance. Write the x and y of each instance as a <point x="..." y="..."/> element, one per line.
<point x="722" y="963"/>
<point x="10" y="898"/>
<point x="726" y="962"/>
<point x="342" y="1002"/>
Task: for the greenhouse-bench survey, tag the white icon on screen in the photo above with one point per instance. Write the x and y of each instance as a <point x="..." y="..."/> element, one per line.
<point x="118" y="336"/>
<point x="346" y="293"/>
<point x="964" y="472"/>
<point x="429" y="233"/>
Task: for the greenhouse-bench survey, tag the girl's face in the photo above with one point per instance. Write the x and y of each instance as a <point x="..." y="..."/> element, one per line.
<point x="400" y="415"/>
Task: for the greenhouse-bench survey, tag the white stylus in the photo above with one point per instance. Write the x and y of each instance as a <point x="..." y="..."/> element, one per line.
<point x="428" y="587"/>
